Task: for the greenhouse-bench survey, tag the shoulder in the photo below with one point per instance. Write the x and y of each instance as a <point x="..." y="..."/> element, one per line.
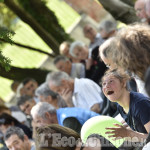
<point x="87" y="83"/>
<point x="138" y="97"/>
<point x="139" y="101"/>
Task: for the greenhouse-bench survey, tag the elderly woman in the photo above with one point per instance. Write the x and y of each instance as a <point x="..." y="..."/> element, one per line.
<point x="94" y="67"/>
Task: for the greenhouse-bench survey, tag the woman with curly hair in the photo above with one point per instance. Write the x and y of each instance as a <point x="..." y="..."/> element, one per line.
<point x="130" y="49"/>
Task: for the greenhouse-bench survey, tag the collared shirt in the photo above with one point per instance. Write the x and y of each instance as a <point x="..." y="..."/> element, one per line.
<point x="86" y="93"/>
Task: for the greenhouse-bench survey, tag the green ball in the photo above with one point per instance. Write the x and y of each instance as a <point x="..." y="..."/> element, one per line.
<point x="97" y="125"/>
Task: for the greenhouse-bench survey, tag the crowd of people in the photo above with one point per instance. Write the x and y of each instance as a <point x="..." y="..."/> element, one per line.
<point x="110" y="76"/>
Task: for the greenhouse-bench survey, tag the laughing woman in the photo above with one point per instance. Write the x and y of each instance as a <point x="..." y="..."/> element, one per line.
<point x="133" y="107"/>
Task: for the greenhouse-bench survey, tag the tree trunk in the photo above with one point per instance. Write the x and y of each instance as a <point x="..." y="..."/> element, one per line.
<point x="46" y="18"/>
<point x="120" y="11"/>
<point x="129" y="2"/>
<point x="20" y="73"/>
<point x="51" y="42"/>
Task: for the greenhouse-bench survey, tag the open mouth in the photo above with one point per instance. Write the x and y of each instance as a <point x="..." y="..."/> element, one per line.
<point x="110" y="92"/>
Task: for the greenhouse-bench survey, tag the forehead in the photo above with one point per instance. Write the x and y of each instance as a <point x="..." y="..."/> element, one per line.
<point x="12" y="138"/>
<point x="28" y="83"/>
<point x="54" y="87"/>
<point x="107" y="77"/>
<point x="139" y="4"/>
<point x="60" y="62"/>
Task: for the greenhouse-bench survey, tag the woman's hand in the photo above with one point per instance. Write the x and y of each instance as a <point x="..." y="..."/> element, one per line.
<point x="118" y="132"/>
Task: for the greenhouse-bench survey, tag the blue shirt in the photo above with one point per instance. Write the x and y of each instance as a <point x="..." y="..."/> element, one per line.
<point x="82" y="115"/>
<point x="139" y="112"/>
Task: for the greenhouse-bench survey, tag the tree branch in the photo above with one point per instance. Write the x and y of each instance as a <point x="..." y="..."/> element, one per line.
<point x="120" y="11"/>
<point x="29" y="47"/>
<point x="51" y="42"/>
<point x="20" y="73"/>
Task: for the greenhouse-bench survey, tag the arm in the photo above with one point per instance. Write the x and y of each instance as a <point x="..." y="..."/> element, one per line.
<point x="67" y="96"/>
<point x="124" y="132"/>
<point x="96" y="108"/>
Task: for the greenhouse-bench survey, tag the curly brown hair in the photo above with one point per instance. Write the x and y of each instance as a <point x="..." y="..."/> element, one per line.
<point x="133" y="46"/>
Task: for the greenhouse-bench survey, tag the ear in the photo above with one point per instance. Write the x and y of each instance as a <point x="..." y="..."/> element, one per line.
<point x="49" y="98"/>
<point x="47" y="115"/>
<point x="26" y="138"/>
<point x="64" y="82"/>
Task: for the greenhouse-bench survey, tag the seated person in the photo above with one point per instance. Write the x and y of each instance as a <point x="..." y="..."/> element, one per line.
<point x="75" y="70"/>
<point x="13" y="111"/>
<point x="64" y="50"/>
<point x="7" y="121"/>
<point x="68" y="139"/>
<point x="72" y="117"/>
<point x="29" y="87"/>
<point x="83" y="93"/>
<point x="107" y="28"/>
<point x="16" y="139"/>
<point x="94" y="67"/>
<point x="25" y="103"/>
<point x="134" y="107"/>
<point x="44" y="94"/>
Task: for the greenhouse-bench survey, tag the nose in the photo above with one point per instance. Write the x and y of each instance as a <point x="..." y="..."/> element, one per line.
<point x="107" y="85"/>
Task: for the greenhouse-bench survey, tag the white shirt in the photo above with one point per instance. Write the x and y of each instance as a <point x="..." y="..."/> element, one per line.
<point x="86" y="93"/>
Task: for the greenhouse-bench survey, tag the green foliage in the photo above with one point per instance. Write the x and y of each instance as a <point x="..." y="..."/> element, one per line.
<point x="5" y="35"/>
<point x="7" y="17"/>
<point x="45" y="17"/>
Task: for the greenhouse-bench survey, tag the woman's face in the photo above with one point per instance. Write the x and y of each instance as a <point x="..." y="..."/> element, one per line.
<point x="113" y="88"/>
<point x="107" y="61"/>
<point x="81" y="53"/>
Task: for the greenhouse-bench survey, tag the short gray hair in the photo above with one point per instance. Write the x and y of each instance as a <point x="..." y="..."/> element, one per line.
<point x="108" y="26"/>
<point x="60" y="58"/>
<point x="56" y="77"/>
<point x="44" y="90"/>
<point x="41" y="108"/>
<point x="73" y="46"/>
<point x="14" y="131"/>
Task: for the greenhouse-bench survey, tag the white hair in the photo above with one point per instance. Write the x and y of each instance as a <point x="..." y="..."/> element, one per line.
<point x="55" y="78"/>
<point x="41" y="108"/>
<point x="73" y="46"/>
<point x="108" y="26"/>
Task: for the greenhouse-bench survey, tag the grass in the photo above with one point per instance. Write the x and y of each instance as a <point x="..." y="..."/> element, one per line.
<point x="24" y="34"/>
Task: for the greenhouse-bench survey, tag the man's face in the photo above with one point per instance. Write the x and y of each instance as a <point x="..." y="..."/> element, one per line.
<point x="39" y="121"/>
<point x="65" y="84"/>
<point x="81" y="52"/>
<point x="140" y="9"/>
<point x="89" y="32"/>
<point x="63" y="66"/>
<point x="15" y="143"/>
<point x="64" y="50"/>
<point x="30" y="88"/>
<point x="27" y="106"/>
